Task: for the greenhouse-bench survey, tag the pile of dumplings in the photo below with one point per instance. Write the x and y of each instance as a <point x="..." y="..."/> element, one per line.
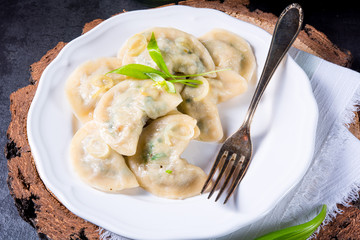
<point x="133" y="132"/>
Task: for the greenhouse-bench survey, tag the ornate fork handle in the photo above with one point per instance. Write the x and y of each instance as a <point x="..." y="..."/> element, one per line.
<point x="285" y="33"/>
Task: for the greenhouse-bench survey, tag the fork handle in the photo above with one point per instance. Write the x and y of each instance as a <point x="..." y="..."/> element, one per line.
<point x="286" y="30"/>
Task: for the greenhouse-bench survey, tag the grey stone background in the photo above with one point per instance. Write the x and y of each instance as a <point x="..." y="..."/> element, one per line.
<point x="28" y="29"/>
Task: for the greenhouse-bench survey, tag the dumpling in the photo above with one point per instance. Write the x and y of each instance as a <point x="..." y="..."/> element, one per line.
<point x="199" y="103"/>
<point x="229" y="51"/>
<point x="157" y="164"/>
<point x="88" y="83"/>
<point x="123" y="111"/>
<point x="182" y="52"/>
<point x="97" y="164"/>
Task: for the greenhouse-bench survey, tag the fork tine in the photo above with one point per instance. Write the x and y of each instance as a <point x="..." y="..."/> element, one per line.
<point x="216" y="163"/>
<point x="233" y="157"/>
<point x="225" y="155"/>
<point x="239" y="177"/>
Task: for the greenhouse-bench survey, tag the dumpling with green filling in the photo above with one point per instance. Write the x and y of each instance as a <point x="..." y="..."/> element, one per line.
<point x="229" y="51"/>
<point x="182" y="52"/>
<point x="157" y="164"/>
<point x="88" y="82"/>
<point x="123" y="111"/>
<point x="97" y="164"/>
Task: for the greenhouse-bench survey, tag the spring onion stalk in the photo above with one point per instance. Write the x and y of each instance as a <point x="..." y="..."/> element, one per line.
<point x="299" y="232"/>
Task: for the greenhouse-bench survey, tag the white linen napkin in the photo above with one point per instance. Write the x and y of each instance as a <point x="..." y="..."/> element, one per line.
<point x="334" y="175"/>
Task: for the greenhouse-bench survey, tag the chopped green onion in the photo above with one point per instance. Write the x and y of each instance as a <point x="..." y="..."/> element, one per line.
<point x="168" y="171"/>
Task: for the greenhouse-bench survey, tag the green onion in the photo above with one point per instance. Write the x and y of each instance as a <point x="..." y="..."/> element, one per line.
<point x="189" y="82"/>
<point x="186" y="81"/>
<point x="155" y="54"/>
<point x="161" y="82"/>
<point x="137" y="71"/>
<point x="299" y="232"/>
<point x="201" y="74"/>
<point x="168" y="171"/>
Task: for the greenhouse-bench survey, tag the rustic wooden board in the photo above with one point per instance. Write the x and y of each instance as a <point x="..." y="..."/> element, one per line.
<point x="52" y="220"/>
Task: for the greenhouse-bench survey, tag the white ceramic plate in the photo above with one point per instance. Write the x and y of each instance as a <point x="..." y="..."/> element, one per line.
<point x="283" y="134"/>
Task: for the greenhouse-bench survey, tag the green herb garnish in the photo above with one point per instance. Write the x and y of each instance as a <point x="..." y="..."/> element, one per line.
<point x="137" y="71"/>
<point x="155" y="54"/>
<point x="168" y="171"/>
<point x="161" y="82"/>
<point x="161" y="78"/>
<point x="201" y="74"/>
<point x="299" y="232"/>
<point x="157" y="156"/>
<point x="148" y="153"/>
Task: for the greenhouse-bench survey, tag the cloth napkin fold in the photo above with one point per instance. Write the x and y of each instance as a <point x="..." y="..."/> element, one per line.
<point x="334" y="175"/>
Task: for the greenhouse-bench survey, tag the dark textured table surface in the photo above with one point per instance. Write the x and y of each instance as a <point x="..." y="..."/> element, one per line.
<point x="28" y="29"/>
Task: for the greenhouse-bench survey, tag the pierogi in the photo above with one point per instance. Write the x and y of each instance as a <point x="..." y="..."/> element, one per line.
<point x="88" y="83"/>
<point x="135" y="130"/>
<point x="182" y="52"/>
<point x="157" y="164"/>
<point x="229" y="51"/>
<point x="123" y="111"/>
<point x="97" y="164"/>
<point x="199" y="103"/>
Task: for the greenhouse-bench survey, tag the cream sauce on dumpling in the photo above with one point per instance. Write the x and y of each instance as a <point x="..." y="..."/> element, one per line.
<point x="157" y="163"/>
<point x="123" y="111"/>
<point x="96" y="163"/>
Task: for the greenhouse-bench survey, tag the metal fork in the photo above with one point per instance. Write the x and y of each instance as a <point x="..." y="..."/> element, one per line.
<point x="235" y="154"/>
